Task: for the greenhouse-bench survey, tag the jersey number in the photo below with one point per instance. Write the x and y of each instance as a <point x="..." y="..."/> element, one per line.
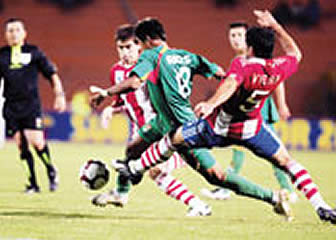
<point x="183" y="77"/>
<point x="253" y="101"/>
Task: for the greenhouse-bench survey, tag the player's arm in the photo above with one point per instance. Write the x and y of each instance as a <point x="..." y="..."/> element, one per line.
<point x="108" y="113"/>
<point x="130" y="84"/>
<point x="280" y="101"/>
<point x="60" y="102"/>
<point x="49" y="71"/>
<point x="222" y="94"/>
<point x="209" y="69"/>
<point x="265" y="19"/>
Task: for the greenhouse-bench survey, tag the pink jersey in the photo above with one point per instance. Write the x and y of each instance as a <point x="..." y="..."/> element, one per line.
<point x="139" y="108"/>
<point x="240" y="116"/>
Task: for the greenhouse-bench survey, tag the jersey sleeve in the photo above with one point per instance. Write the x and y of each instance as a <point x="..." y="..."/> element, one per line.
<point x="116" y="99"/>
<point x="44" y="65"/>
<point x="205" y="67"/>
<point x="285" y="66"/>
<point x="235" y="71"/>
<point x="144" y="66"/>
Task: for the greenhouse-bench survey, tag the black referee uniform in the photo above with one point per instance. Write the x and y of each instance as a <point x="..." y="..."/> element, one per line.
<point x="19" y="68"/>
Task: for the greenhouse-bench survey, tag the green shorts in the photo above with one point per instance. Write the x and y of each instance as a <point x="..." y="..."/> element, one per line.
<point x="155" y="129"/>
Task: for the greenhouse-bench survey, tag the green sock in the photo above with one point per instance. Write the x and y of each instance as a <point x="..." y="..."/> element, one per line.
<point x="237" y="160"/>
<point x="242" y="186"/>
<point x="282" y="178"/>
<point x="123" y="185"/>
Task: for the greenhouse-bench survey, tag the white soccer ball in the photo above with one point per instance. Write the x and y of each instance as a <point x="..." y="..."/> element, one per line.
<point x="94" y="174"/>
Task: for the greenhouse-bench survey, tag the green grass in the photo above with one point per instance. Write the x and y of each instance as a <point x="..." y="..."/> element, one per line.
<point x="68" y="214"/>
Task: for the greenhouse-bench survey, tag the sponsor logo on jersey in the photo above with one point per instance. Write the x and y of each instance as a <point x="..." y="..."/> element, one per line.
<point x="25" y="58"/>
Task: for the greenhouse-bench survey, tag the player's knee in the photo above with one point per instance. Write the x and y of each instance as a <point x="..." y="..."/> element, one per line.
<point x="282" y="157"/>
<point x="154" y="172"/>
<point x="38" y="143"/>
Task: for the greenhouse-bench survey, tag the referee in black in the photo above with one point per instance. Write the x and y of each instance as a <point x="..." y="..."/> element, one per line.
<point x="20" y="64"/>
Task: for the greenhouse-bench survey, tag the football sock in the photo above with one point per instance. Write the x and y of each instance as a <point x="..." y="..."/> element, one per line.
<point x="303" y="182"/>
<point x="123" y="185"/>
<point x="174" y="162"/>
<point x="176" y="189"/>
<point x="237" y="160"/>
<point x="157" y="153"/>
<point x="282" y="178"/>
<point x="242" y="186"/>
<point x="29" y="166"/>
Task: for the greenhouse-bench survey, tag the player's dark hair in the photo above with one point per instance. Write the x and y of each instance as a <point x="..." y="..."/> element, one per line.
<point x="125" y="32"/>
<point x="261" y="40"/>
<point x="150" y="28"/>
<point x="11" y="20"/>
<point x="238" y="24"/>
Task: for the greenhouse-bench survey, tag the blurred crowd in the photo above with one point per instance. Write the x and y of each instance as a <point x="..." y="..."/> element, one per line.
<point x="67" y="4"/>
<point x="304" y="13"/>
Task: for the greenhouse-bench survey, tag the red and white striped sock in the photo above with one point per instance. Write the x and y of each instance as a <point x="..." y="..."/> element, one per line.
<point x="176" y="189"/>
<point x="174" y="162"/>
<point x="157" y="153"/>
<point x="303" y="182"/>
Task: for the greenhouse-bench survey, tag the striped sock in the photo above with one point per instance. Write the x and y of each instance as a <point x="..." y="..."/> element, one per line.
<point x="157" y="153"/>
<point x="303" y="182"/>
<point x="176" y="189"/>
<point x="174" y="162"/>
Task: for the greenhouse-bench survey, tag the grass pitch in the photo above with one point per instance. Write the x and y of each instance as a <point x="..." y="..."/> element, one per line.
<point x="68" y="214"/>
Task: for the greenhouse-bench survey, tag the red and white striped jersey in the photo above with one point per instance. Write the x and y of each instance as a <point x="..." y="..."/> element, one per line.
<point x="137" y="103"/>
<point x="240" y="117"/>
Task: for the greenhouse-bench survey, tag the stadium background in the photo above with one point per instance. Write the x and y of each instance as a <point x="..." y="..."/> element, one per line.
<point x="80" y="41"/>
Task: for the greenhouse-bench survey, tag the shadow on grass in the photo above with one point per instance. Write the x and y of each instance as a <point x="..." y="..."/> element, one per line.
<point x="59" y="215"/>
<point x="46" y="214"/>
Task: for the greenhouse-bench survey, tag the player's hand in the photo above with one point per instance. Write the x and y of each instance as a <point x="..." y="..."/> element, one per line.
<point x="60" y="103"/>
<point x="265" y="18"/>
<point x="95" y="100"/>
<point x="284" y="112"/>
<point x="203" y="109"/>
<point x="106" y="116"/>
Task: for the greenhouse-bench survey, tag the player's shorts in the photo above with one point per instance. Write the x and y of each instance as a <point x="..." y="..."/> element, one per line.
<point x="33" y="121"/>
<point x="155" y="129"/>
<point x="199" y="133"/>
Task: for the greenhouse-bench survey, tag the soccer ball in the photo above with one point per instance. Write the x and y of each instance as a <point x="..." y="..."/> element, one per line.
<point x="94" y="174"/>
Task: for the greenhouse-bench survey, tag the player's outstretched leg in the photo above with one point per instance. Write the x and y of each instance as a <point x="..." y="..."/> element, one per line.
<point x="175" y="188"/>
<point x="179" y="191"/>
<point x="236" y="165"/>
<point x="304" y="183"/>
<point x="159" y="151"/>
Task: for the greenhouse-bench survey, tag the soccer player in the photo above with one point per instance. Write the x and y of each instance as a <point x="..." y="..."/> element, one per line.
<point x="236" y="36"/>
<point x="20" y="64"/>
<point x="232" y="114"/>
<point x="139" y="109"/>
<point x="168" y="74"/>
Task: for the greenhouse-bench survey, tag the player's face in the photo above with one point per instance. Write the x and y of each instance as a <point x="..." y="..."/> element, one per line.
<point x="128" y="51"/>
<point x="237" y="39"/>
<point x="15" y="33"/>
